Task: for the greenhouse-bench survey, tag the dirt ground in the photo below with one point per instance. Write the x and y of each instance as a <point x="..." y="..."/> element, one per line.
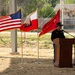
<point x="30" y="64"/>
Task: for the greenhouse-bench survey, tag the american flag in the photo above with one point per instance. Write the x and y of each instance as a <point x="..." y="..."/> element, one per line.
<point x="11" y="21"/>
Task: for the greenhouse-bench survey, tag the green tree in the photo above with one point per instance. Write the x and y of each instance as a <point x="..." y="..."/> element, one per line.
<point x="46" y="11"/>
<point x="54" y="2"/>
<point x="73" y="1"/>
<point x="3" y="7"/>
<point x="3" y="12"/>
<point x="27" y="6"/>
<point x="70" y="1"/>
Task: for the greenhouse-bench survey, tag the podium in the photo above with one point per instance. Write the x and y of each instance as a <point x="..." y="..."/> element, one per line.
<point x="63" y="52"/>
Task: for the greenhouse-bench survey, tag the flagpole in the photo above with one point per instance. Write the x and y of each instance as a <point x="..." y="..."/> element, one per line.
<point x="37" y="49"/>
<point x="24" y="36"/>
<point x="38" y="46"/>
<point x="74" y="51"/>
<point x="12" y="9"/>
<point x="21" y="49"/>
<point x="62" y="11"/>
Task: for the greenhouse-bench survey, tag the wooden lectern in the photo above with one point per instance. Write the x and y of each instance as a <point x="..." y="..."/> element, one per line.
<point x="63" y="52"/>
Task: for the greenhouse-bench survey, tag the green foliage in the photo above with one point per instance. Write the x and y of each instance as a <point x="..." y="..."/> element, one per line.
<point x="70" y="1"/>
<point x="27" y="6"/>
<point x="43" y="6"/>
<point x="46" y="11"/>
<point x="53" y="2"/>
<point x="3" y="7"/>
<point x="31" y="40"/>
<point x="3" y="12"/>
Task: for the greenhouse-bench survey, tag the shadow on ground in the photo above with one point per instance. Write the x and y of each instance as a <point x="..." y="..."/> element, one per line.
<point x="32" y="66"/>
<point x="27" y="66"/>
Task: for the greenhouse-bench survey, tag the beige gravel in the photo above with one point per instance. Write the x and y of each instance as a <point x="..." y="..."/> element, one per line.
<point x="30" y="64"/>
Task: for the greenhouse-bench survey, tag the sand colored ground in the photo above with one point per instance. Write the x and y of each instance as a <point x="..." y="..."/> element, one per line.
<point x="30" y="65"/>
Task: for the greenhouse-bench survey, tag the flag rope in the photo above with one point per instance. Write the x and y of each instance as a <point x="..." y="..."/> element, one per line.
<point x="46" y="18"/>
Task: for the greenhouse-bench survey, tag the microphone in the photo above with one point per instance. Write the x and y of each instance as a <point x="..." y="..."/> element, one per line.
<point x="68" y="33"/>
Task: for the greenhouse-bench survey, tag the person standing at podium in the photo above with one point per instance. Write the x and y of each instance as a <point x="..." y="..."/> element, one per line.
<point x="57" y="33"/>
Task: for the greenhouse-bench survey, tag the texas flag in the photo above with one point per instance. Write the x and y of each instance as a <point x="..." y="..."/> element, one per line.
<point x="30" y="23"/>
<point x="9" y="22"/>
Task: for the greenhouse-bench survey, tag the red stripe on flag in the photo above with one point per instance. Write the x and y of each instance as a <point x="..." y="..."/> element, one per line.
<point x="5" y="18"/>
<point x="7" y="23"/>
<point x="9" y="28"/>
